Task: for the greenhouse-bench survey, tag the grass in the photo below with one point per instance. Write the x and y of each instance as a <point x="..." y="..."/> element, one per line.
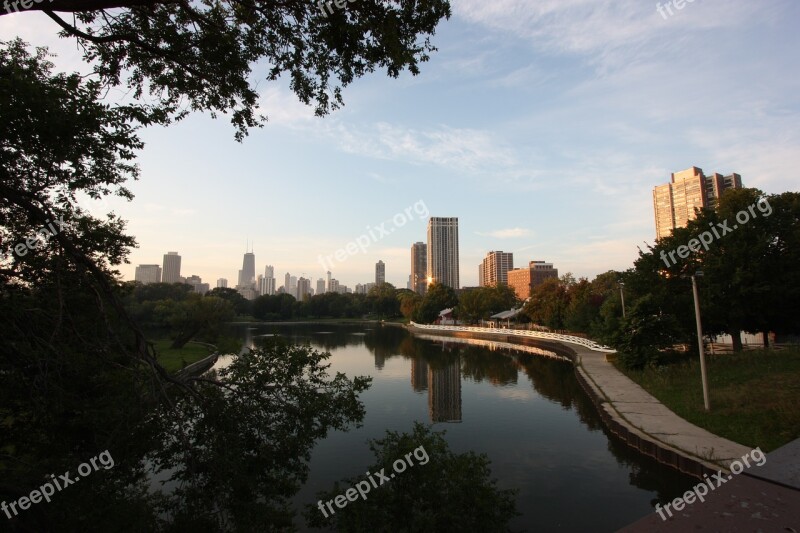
<point x="753" y="395"/>
<point x="174" y="360"/>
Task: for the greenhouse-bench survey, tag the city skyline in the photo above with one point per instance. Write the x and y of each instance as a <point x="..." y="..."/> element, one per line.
<point x="571" y="127"/>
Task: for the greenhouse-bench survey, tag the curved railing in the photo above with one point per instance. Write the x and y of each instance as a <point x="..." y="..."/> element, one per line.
<point x="586" y="343"/>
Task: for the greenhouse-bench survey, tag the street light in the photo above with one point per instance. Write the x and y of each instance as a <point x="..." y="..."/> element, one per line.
<point x="703" y="374"/>
<point x="622" y="296"/>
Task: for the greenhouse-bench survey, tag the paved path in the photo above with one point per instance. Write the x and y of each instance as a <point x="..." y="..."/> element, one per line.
<point x="632" y="407"/>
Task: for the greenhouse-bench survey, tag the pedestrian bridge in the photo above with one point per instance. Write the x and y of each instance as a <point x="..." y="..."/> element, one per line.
<point x="586" y="343"/>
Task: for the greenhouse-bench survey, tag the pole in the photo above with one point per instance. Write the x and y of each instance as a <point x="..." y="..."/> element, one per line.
<point x="622" y="297"/>
<point x="703" y="374"/>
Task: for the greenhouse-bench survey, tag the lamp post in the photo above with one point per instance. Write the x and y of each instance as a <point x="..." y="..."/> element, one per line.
<point x="703" y="374"/>
<point x="622" y="296"/>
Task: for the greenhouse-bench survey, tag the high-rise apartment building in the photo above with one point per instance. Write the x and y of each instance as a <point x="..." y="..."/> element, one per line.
<point x="148" y="274"/>
<point x="380" y="272"/>
<point x="674" y="203"/>
<point x="320" y="286"/>
<point x="494" y="268"/>
<point x="303" y="288"/>
<point x="171" y="270"/>
<point x="523" y="280"/>
<point x="419" y="267"/>
<point x="222" y="283"/>
<point x="442" y="253"/>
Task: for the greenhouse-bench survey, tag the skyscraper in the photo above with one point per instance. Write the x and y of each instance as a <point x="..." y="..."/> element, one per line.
<point x="419" y="267"/>
<point x="443" y="251"/>
<point x="269" y="280"/>
<point x="380" y="272"/>
<point x="287" y="283"/>
<point x="303" y="288"/>
<point x="171" y="271"/>
<point x="320" y="286"/>
<point x="222" y="283"/>
<point x="247" y="275"/>
<point x="148" y="274"/>
<point x="494" y="268"/>
<point x="674" y="203"/>
<point x="329" y="282"/>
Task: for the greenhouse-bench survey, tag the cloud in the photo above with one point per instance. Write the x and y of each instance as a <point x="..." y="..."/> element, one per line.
<point x="510" y="233"/>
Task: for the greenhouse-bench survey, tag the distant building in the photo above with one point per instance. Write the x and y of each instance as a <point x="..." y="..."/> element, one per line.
<point x="197" y="284"/>
<point x="303" y="288"/>
<point x="333" y="284"/>
<point x="328" y="286"/>
<point x="523" y="280"/>
<point x="171" y="270"/>
<point x="320" y="286"/>
<point x="287" y="283"/>
<point x="380" y="272"/>
<point x="494" y="268"/>
<point x="222" y="283"/>
<point x="146" y="274"/>
<point x="442" y="253"/>
<point x="269" y="280"/>
<point x="674" y="203"/>
<point x="247" y="275"/>
<point x="419" y="267"/>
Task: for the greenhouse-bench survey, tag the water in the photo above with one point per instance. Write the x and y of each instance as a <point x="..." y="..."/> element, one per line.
<point x="526" y="411"/>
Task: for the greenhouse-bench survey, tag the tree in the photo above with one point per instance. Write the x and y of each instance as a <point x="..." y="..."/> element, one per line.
<point x="241" y="305"/>
<point x="437" y="298"/>
<point x="442" y="491"/>
<point x="195" y="315"/>
<point x="409" y="302"/>
<point x="201" y="55"/>
<point x="484" y="302"/>
<point x="548" y="303"/>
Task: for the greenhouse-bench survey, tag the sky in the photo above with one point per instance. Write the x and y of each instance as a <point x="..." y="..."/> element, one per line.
<point x="542" y="125"/>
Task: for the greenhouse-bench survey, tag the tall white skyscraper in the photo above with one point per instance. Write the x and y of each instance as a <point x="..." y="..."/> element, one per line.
<point x="287" y="283"/>
<point x="171" y="271"/>
<point x="443" y="251"/>
<point x="320" y="286"/>
<point x="329" y="282"/>
<point x="269" y="280"/>
<point x="303" y="288"/>
<point x="380" y="272"/>
<point x="148" y="274"/>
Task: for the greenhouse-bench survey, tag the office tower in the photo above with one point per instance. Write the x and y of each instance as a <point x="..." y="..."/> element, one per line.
<point x="261" y="285"/>
<point x="320" y="286"/>
<point x="247" y="276"/>
<point x="333" y="285"/>
<point x="329" y="282"/>
<point x="222" y="283"/>
<point x="380" y="272"/>
<point x="269" y="280"/>
<point x="494" y="268"/>
<point x="303" y="288"/>
<point x="197" y="284"/>
<point x="287" y="283"/>
<point x="145" y="274"/>
<point x="674" y="203"/>
<point x="442" y="251"/>
<point x="293" y="286"/>
<point x="419" y="267"/>
<point x="523" y="280"/>
<point x="444" y="392"/>
<point x="171" y="271"/>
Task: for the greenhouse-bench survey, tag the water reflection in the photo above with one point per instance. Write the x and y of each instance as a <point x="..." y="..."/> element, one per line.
<point x="571" y="472"/>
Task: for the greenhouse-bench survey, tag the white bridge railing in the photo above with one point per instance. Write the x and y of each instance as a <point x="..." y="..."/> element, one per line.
<point x="586" y="343"/>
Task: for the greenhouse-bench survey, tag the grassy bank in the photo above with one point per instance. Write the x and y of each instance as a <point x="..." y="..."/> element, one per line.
<point x="753" y="395"/>
<point x="173" y="360"/>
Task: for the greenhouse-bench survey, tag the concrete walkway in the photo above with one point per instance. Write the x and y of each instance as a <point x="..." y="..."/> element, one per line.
<point x="661" y="432"/>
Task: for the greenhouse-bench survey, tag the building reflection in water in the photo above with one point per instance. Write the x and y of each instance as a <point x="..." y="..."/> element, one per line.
<point x="419" y="374"/>
<point x="444" y="392"/>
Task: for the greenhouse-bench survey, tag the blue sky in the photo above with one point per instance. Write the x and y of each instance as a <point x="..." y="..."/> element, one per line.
<point x="542" y="125"/>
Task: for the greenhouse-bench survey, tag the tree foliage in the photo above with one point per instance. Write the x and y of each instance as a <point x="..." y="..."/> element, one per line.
<point x="209" y="56"/>
<point x="450" y="492"/>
